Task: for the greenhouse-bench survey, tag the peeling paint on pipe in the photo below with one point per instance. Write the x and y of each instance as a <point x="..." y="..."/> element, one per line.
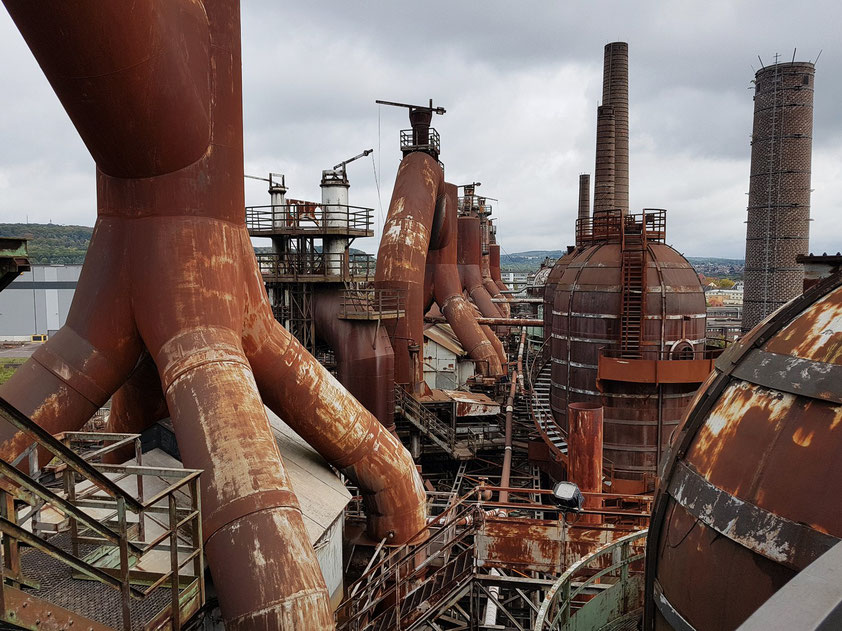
<point x="171" y="268"/>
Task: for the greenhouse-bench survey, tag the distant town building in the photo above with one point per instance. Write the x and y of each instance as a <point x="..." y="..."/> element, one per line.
<point x="37" y="302"/>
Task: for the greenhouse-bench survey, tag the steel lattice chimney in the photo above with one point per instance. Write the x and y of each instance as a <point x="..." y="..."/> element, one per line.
<point x="779" y="189"/>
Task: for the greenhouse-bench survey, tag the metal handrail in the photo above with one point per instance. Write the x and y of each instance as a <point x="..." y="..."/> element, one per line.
<point x="556" y="608"/>
<point x="372" y="301"/>
<point x="309" y="217"/>
<point x="116" y="499"/>
<point x="613" y="225"/>
<point x="295" y="264"/>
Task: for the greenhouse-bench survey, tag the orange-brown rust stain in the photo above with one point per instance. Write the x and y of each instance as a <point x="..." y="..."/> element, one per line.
<point x="741" y="426"/>
<point x="816" y="334"/>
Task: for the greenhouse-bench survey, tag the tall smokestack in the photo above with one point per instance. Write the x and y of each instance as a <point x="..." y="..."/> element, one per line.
<point x="615" y="93"/>
<point x="603" y="189"/>
<point x="584" y="205"/>
<point x="779" y="188"/>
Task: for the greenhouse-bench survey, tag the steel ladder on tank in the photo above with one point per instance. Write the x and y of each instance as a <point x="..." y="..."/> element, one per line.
<point x="631" y="318"/>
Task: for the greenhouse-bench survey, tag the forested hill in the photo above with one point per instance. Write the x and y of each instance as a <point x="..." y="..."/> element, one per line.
<point x="51" y="243"/>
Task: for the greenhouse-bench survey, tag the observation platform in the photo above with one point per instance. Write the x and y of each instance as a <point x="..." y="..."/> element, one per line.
<point x="310" y="219"/>
<point x="316" y="267"/>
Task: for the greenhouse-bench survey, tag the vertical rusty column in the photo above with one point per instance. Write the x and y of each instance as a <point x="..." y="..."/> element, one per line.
<point x="155" y="91"/>
<point x="583" y="218"/>
<point x="585" y="448"/>
<point x="615" y="94"/>
<point x="603" y="189"/>
<point x="401" y="258"/>
<point x="778" y="226"/>
<point x="470" y="259"/>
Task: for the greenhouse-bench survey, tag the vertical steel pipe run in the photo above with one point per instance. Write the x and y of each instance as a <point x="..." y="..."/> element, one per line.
<point x="402" y="256"/>
<point x="154" y="89"/>
<point x="584" y="207"/>
<point x="585" y="452"/>
<point x="364" y="357"/>
<point x="447" y="291"/>
<point x="604" y="176"/>
<point x="469" y="255"/>
<point x="505" y="476"/>
<point x="494" y="260"/>
<point x="615" y="94"/>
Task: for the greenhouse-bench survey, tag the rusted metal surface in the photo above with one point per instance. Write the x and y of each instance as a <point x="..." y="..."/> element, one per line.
<point x="443" y="273"/>
<point x="364" y="356"/>
<point x="420" y="196"/>
<point x="522" y="544"/>
<point x="587" y="308"/>
<point x="745" y="501"/>
<point x="469" y="258"/>
<point x="667" y="370"/>
<point x="584" y="449"/>
<point x="494" y="261"/>
<point x="171" y="268"/>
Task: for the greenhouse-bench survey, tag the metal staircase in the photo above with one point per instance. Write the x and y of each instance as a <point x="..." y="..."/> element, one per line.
<point x="84" y="547"/>
<point x="631" y="318"/>
<point x="539" y="398"/>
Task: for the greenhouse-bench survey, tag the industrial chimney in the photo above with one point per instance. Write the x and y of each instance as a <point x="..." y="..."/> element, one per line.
<point x="604" y="178"/>
<point x="584" y="216"/>
<point x="615" y="93"/>
<point x="779" y="189"/>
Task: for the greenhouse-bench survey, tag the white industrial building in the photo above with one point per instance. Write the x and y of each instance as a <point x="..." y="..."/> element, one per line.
<point x="37" y="302"/>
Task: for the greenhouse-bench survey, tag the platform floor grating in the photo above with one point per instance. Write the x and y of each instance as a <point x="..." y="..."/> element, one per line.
<point x="92" y="599"/>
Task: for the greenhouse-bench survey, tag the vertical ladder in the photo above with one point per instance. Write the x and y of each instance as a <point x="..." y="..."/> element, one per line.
<point x="631" y="319"/>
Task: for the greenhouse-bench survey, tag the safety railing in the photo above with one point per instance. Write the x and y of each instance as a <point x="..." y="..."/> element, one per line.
<point x="372" y="303"/>
<point x="682" y="364"/>
<point x="614" y="226"/>
<point x="316" y="266"/>
<point x="408" y="141"/>
<point x="110" y="524"/>
<point x="617" y="564"/>
<point x="300" y="217"/>
<point x="430" y="425"/>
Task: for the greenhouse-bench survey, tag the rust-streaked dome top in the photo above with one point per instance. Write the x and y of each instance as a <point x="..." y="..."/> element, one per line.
<point x="749" y="494"/>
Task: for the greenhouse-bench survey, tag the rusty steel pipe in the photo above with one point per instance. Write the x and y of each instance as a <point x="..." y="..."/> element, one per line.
<point x="447" y="292"/>
<point x="364" y="356"/>
<point x="505" y="476"/>
<point x="485" y="269"/>
<point x="494" y="262"/>
<point x="401" y="258"/>
<point x="585" y="453"/>
<point x="171" y="268"/>
<point x="469" y="258"/>
<point x="495" y="321"/>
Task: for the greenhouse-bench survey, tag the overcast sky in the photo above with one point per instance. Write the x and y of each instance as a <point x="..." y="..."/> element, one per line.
<point x="520" y="81"/>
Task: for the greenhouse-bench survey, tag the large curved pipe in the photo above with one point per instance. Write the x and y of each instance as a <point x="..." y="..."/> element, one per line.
<point x="469" y="255"/>
<point x="494" y="263"/>
<point x="491" y="286"/>
<point x="447" y="291"/>
<point x="171" y="268"/>
<point x="401" y="258"/>
<point x="364" y="356"/>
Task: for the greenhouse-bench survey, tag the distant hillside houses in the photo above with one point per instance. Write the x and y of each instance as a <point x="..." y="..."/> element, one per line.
<point x="719" y="297"/>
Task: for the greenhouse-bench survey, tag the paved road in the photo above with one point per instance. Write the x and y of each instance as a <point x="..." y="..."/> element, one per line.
<point x="24" y="350"/>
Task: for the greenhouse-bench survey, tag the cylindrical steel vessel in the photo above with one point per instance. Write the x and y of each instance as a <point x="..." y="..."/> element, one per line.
<point x="778" y="226"/>
<point x="748" y="496"/>
<point x="587" y="310"/>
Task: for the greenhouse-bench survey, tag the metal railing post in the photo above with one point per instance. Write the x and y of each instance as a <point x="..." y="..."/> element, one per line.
<point x="125" y="584"/>
<point x="173" y="525"/>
